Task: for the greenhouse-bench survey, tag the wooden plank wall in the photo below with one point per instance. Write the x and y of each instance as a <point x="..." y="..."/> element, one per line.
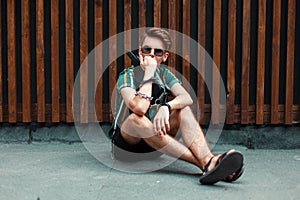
<point x="12" y="92"/>
<point x="245" y="76"/>
<point x="26" y="90"/>
<point x="98" y="59"/>
<point x="290" y="57"/>
<point x="1" y="71"/>
<point x="69" y="15"/>
<point x="201" y="59"/>
<point x="216" y="56"/>
<point x="251" y="79"/>
<point x="40" y="64"/>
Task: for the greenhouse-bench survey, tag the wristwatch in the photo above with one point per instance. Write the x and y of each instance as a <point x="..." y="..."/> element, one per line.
<point x="168" y="105"/>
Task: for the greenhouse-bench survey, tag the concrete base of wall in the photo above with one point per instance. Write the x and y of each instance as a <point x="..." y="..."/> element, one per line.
<point x="262" y="137"/>
<point x="253" y="137"/>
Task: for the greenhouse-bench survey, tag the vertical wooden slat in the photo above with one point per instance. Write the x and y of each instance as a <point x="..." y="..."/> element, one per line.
<point x="275" y="61"/>
<point x="55" y="60"/>
<point x="12" y="73"/>
<point x="261" y="35"/>
<point x="217" y="61"/>
<point x="112" y="47"/>
<point x="127" y="26"/>
<point x="98" y="58"/>
<point x="231" y="61"/>
<point x="201" y="57"/>
<point x="173" y="25"/>
<point x="157" y="12"/>
<point x="26" y="104"/>
<point x="1" y="86"/>
<point x="290" y="62"/>
<point x="245" y="62"/>
<point x="142" y="16"/>
<point x="83" y="68"/>
<point x="142" y="13"/>
<point x="186" y="43"/>
<point x="40" y="61"/>
<point x="69" y="59"/>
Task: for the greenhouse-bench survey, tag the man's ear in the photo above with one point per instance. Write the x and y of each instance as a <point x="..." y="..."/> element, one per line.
<point x="165" y="56"/>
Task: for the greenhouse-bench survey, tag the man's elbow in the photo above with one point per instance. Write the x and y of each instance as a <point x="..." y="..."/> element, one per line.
<point x="140" y="112"/>
<point x="189" y="100"/>
<point x="139" y="109"/>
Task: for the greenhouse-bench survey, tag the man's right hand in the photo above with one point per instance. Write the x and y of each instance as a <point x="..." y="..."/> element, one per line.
<point x="149" y="64"/>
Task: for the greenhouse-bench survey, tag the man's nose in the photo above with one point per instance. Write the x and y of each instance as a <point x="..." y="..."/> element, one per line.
<point x="152" y="53"/>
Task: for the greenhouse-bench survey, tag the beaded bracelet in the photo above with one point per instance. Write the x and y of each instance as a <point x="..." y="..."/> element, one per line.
<point x="145" y="96"/>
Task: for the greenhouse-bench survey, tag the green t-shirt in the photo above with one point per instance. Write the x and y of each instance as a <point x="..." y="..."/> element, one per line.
<point x="131" y="77"/>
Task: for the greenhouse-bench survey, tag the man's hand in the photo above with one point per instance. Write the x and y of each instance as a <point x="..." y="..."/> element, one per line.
<point x="161" y="121"/>
<point x="149" y="64"/>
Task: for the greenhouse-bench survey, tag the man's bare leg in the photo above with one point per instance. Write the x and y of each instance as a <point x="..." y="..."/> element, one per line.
<point x="193" y="136"/>
<point x="141" y="127"/>
<point x="194" y="139"/>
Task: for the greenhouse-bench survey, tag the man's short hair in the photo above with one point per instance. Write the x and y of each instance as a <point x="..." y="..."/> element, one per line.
<point x="160" y="33"/>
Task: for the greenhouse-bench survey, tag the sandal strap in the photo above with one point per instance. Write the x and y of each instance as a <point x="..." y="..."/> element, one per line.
<point x="207" y="165"/>
<point x="218" y="161"/>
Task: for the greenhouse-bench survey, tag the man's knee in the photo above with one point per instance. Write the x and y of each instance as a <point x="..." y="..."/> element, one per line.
<point x="187" y="115"/>
<point x="137" y="126"/>
<point x="139" y="121"/>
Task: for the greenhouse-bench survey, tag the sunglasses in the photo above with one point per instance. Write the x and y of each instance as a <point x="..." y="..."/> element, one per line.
<point x="157" y="52"/>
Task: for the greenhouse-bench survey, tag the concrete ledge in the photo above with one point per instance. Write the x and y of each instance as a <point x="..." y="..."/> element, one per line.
<point x="62" y="133"/>
<point x="38" y="133"/>
<point x="13" y="134"/>
<point x="258" y="137"/>
<point x="252" y="137"/>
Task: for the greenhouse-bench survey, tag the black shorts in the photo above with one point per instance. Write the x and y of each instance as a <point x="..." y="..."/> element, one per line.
<point x="124" y="151"/>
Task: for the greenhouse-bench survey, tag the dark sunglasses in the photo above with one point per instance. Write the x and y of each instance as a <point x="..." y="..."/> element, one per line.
<point x="157" y="52"/>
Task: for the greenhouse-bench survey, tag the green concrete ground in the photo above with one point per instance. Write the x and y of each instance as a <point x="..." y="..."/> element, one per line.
<point x="56" y="170"/>
<point x="51" y="163"/>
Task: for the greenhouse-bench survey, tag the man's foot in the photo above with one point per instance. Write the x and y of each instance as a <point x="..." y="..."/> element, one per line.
<point x="222" y="166"/>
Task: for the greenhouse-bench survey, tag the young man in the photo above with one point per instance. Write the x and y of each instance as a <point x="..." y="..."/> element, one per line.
<point x="151" y="122"/>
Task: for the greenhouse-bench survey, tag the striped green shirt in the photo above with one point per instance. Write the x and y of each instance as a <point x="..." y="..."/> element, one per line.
<point x="131" y="77"/>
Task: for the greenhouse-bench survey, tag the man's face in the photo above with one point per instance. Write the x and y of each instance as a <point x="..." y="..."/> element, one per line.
<point x="154" y="47"/>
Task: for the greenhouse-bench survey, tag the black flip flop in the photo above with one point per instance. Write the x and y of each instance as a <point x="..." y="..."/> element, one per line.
<point x="226" y="165"/>
<point x="237" y="175"/>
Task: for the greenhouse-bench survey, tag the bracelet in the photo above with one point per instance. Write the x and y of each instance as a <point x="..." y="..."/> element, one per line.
<point x="145" y="96"/>
<point x="168" y="105"/>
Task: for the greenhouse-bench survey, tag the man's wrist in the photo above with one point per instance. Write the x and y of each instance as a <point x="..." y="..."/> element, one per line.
<point x="143" y="95"/>
<point x="148" y="74"/>
<point x="151" y="79"/>
<point x="168" y="105"/>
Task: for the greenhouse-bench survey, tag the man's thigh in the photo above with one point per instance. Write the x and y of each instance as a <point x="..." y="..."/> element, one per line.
<point x="134" y="128"/>
<point x="174" y="123"/>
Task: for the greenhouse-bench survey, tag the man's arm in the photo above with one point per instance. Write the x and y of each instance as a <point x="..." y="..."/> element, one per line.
<point x="136" y="103"/>
<point x="182" y="97"/>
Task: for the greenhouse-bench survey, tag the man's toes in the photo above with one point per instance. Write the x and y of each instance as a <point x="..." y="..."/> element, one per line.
<point x="231" y="176"/>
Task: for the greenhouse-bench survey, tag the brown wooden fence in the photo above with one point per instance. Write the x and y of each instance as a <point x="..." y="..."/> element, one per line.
<point x="252" y="42"/>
